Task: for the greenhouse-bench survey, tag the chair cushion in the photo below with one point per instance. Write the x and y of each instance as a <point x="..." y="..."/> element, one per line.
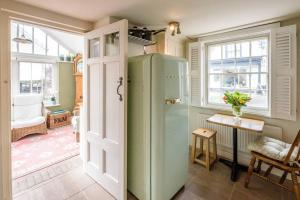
<point x="272" y="148"/>
<point x="26" y="107"/>
<point x="27" y="99"/>
<point x="28" y="122"/>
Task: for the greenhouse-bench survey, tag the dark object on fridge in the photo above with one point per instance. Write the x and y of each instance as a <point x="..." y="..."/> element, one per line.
<point x="143" y="33"/>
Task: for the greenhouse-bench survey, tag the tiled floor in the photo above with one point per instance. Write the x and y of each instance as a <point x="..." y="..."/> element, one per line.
<point x="73" y="184"/>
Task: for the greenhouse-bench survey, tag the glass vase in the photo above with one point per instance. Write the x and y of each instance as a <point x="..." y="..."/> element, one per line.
<point x="237" y="112"/>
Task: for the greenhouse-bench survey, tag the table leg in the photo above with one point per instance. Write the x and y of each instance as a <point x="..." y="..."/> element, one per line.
<point x="234" y="167"/>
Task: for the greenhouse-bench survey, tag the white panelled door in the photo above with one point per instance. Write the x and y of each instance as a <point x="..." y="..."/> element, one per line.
<point x="105" y="90"/>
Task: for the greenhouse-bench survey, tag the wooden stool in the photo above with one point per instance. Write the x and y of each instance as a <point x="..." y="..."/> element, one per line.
<point x="204" y="134"/>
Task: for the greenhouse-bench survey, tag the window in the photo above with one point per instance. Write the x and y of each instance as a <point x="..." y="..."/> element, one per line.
<point x="39" y="42"/>
<point x="63" y="51"/>
<point x="28" y="33"/>
<point x="37" y="78"/>
<point x="52" y="47"/>
<point x="240" y="65"/>
<point x="241" y="62"/>
<point x="42" y="43"/>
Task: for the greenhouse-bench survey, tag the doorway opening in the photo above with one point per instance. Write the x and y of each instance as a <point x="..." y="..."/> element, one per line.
<point x="46" y="96"/>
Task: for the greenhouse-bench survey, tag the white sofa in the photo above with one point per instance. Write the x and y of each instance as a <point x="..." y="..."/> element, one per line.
<point x="28" y="116"/>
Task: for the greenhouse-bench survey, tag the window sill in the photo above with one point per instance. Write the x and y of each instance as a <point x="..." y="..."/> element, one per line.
<point x="64" y="61"/>
<point x="51" y="105"/>
<point x="260" y="113"/>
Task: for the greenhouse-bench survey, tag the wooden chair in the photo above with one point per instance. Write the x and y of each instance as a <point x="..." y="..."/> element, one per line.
<point x="204" y="134"/>
<point x="287" y="160"/>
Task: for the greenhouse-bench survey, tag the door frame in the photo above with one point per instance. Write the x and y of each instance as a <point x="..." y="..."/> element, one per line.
<point x="12" y="11"/>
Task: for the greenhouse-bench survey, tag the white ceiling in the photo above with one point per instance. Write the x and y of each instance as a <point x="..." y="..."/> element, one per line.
<point x="196" y="16"/>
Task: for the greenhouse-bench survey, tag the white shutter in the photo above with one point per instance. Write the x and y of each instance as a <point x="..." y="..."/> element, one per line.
<point x="194" y="73"/>
<point x="284" y="72"/>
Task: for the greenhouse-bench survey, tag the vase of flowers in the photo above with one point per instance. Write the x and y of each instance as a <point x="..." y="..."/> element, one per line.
<point x="237" y="100"/>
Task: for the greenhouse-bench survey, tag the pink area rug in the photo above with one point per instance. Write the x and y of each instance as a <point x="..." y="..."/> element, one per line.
<point x="35" y="152"/>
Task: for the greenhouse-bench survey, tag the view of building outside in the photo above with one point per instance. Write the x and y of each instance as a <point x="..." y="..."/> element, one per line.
<point x="241" y="66"/>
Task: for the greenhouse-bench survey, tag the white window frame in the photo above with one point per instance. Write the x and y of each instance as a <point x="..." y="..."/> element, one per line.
<point x="204" y="70"/>
<point x="33" y="41"/>
<point x="32" y="58"/>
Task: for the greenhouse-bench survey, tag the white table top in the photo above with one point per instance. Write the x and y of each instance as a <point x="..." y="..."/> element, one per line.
<point x="245" y="123"/>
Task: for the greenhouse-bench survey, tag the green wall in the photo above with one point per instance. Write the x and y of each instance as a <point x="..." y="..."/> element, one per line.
<point x="66" y="87"/>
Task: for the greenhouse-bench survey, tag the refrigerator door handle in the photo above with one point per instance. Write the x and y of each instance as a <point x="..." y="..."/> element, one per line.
<point x="172" y="101"/>
<point x="120" y="82"/>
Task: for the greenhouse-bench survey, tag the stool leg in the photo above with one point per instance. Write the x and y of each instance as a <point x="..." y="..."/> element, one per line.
<point x="194" y="142"/>
<point x="215" y="147"/>
<point x="207" y="155"/>
<point x="201" y="146"/>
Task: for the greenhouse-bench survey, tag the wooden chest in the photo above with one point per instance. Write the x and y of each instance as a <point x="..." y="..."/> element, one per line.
<point x="55" y="120"/>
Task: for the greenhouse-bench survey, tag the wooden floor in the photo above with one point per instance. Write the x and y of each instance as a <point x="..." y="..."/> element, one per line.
<point x="68" y="181"/>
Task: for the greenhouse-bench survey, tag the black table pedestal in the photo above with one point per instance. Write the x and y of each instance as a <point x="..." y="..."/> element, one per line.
<point x="234" y="165"/>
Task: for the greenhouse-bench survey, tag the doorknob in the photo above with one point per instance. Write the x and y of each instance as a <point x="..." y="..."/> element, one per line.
<point x="120" y="82"/>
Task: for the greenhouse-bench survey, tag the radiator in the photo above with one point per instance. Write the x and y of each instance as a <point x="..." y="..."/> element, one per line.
<point x="224" y="134"/>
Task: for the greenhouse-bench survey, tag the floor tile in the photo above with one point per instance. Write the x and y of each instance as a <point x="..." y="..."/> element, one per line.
<point x="96" y="192"/>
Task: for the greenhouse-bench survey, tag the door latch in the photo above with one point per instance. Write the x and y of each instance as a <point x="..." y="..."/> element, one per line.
<point x="120" y="82"/>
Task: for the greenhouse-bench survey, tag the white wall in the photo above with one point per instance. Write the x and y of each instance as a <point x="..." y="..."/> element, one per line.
<point x="135" y="49"/>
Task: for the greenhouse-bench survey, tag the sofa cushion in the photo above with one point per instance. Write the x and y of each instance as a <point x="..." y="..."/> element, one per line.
<point x="272" y="148"/>
<point x="27" y="122"/>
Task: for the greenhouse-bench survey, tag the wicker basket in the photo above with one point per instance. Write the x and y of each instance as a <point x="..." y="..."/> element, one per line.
<point x="58" y="120"/>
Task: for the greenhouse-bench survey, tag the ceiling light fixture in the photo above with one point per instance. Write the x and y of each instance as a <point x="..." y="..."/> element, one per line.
<point x="22" y="39"/>
<point x="174" y="28"/>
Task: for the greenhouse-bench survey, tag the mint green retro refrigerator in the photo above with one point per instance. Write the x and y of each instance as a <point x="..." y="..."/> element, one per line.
<point x="157" y="126"/>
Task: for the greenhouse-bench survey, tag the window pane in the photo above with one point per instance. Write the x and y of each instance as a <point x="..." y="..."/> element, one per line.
<point x="242" y="49"/>
<point x="112" y="44"/>
<point x="243" y="65"/>
<point x="25" y="87"/>
<point x="94" y="48"/>
<point x="228" y="51"/>
<point x="38" y="71"/>
<point x="229" y="66"/>
<point x="25" y="71"/>
<point x="27" y="30"/>
<point x="52" y="47"/>
<point x="214" y="81"/>
<point x="243" y="81"/>
<point x="48" y="85"/>
<point x="215" y="96"/>
<point x="259" y="64"/>
<point x="259" y="99"/>
<point x="215" y="66"/>
<point x="229" y="81"/>
<point x="259" y="81"/>
<point x="39" y="42"/>
<point x="37" y="87"/>
<point x="63" y="51"/>
<point x="259" y="47"/>
<point x="14" y="34"/>
<point x="214" y="52"/>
